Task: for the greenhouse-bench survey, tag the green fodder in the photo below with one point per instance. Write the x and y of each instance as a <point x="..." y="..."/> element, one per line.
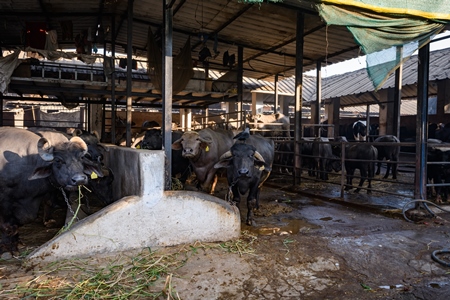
<point x="143" y="275"/>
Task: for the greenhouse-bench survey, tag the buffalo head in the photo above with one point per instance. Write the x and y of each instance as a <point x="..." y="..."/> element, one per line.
<point x="243" y="160"/>
<point x="65" y="163"/>
<point x="152" y="140"/>
<point x="192" y="144"/>
<point x="92" y="141"/>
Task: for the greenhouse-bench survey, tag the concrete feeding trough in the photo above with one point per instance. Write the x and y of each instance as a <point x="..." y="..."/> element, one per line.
<point x="145" y="215"/>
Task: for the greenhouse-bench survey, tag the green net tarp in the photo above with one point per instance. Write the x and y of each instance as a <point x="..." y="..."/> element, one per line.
<point x="388" y="31"/>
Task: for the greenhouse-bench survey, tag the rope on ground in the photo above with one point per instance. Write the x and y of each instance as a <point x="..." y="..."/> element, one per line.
<point x="435" y="253"/>
<point x="424" y="202"/>
<point x="436" y="259"/>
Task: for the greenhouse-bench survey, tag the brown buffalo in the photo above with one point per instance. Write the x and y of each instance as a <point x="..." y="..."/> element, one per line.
<point x="203" y="149"/>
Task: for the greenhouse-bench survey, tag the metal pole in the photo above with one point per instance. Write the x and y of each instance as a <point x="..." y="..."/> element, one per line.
<point x="129" y="69"/>
<point x="1" y="109"/>
<point x="367" y="122"/>
<point x="113" y="80"/>
<point x="398" y="94"/>
<point x="240" y="84"/>
<point x="318" y="97"/>
<point x="420" y="179"/>
<point x="298" y="96"/>
<point x="167" y="90"/>
<point x="275" y="103"/>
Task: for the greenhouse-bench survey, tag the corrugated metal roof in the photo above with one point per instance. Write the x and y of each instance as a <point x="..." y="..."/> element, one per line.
<point x="356" y="88"/>
<point x="267" y="32"/>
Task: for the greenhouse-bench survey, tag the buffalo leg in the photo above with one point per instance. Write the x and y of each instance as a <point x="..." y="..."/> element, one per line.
<point x="350" y="174"/>
<point x="378" y="168"/>
<point x="361" y="181"/>
<point x="388" y="170"/>
<point x="394" y="169"/>
<point x="252" y="204"/>
<point x="236" y="197"/>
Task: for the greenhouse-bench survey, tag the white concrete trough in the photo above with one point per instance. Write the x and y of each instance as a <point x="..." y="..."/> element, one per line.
<point x="145" y="215"/>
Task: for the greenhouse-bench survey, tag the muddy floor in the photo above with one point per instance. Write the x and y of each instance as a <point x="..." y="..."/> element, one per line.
<point x="304" y="248"/>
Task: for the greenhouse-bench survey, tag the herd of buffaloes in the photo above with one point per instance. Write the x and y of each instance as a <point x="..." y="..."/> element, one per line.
<point x="41" y="168"/>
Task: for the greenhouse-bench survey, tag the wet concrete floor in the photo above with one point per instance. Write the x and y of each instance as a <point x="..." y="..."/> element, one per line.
<point x="309" y="247"/>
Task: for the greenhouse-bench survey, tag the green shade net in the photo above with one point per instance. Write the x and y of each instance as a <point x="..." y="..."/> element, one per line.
<point x="388" y="31"/>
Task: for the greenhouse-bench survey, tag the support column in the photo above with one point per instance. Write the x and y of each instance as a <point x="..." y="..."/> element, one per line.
<point x="284" y="105"/>
<point x="113" y="80"/>
<point x="315" y="117"/>
<point x="298" y="95"/>
<point x="183" y="119"/>
<point x="275" y="102"/>
<point x="257" y="103"/>
<point x="386" y="111"/>
<point x="420" y="179"/>
<point x="1" y="109"/>
<point x="96" y="118"/>
<point x="129" y="69"/>
<point x="167" y="89"/>
<point x="397" y="95"/>
<point x="240" y="82"/>
<point x="332" y="113"/>
<point x="188" y="119"/>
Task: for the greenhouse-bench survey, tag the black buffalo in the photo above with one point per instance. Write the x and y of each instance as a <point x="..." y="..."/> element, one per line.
<point x="324" y="159"/>
<point x="438" y="170"/>
<point x="101" y="187"/>
<point x="31" y="167"/>
<point x="248" y="167"/>
<point x="180" y="165"/>
<point x="388" y="152"/>
<point x="366" y="154"/>
<point x="307" y="158"/>
<point x="359" y="130"/>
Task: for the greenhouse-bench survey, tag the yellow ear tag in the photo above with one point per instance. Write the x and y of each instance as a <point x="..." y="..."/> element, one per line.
<point x="261" y="168"/>
<point x="207" y="148"/>
<point x="138" y="146"/>
<point x="94" y="175"/>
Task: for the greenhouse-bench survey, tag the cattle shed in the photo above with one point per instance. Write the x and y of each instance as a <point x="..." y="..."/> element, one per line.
<point x="195" y="55"/>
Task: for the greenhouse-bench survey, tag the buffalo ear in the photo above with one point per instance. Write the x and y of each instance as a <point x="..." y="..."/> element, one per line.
<point x="41" y="172"/>
<point x="92" y="168"/>
<point x="262" y="165"/>
<point x="77" y="132"/>
<point x="177" y="145"/>
<point x="45" y="149"/>
<point x="222" y="164"/>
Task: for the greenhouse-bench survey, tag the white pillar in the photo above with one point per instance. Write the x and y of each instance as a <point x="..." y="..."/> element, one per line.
<point x="183" y="119"/>
<point x="188" y="119"/>
<point x="257" y="103"/>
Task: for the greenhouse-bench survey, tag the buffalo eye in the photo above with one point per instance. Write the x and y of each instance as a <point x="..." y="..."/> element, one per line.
<point x="58" y="162"/>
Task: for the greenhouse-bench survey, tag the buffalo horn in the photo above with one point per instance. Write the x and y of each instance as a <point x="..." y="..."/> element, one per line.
<point x="259" y="156"/>
<point x="44" y="149"/>
<point x="79" y="141"/>
<point x="226" y="155"/>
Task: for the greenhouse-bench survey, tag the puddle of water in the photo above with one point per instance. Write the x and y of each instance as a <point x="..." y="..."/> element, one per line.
<point x="326" y="219"/>
<point x="435" y="285"/>
<point x="285" y="226"/>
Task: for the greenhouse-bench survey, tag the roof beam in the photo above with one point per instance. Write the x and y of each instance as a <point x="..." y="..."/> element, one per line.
<point x="233" y="43"/>
<point x="179" y="6"/>
<point x="224" y="25"/>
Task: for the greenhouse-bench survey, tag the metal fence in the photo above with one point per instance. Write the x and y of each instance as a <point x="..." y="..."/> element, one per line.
<point x="403" y="186"/>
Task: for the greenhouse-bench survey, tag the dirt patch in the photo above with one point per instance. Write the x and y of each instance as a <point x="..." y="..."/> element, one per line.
<point x="302" y="248"/>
